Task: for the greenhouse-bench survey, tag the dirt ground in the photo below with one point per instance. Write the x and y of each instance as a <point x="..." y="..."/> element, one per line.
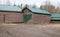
<point x="23" y="30"/>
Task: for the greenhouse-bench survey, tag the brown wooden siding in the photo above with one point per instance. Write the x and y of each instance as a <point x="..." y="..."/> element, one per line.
<point x="11" y="17"/>
<point x="1" y="18"/>
<point x="45" y="19"/>
<point x="36" y="18"/>
<point x="40" y="18"/>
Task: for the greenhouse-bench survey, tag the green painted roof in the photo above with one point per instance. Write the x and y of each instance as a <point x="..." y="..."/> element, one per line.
<point x="36" y="10"/>
<point x="9" y="8"/>
<point x="55" y="17"/>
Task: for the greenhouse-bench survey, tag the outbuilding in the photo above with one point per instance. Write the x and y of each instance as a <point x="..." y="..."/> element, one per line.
<point x="10" y="14"/>
<point x="36" y="16"/>
<point x="55" y="18"/>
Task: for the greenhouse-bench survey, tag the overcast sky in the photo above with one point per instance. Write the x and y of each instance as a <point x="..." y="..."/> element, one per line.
<point x="30" y="2"/>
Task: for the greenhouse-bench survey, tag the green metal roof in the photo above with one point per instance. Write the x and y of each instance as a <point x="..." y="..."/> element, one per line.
<point x="55" y="17"/>
<point x="9" y="8"/>
<point x="36" y="10"/>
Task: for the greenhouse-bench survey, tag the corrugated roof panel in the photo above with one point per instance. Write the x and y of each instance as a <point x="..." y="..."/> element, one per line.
<point x="55" y="15"/>
<point x="55" y="18"/>
<point x="10" y="8"/>
<point x="38" y="10"/>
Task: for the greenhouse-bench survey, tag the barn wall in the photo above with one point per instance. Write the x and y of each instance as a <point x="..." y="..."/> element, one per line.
<point x="37" y="18"/>
<point x="45" y="19"/>
<point x="40" y="19"/>
<point x="11" y="16"/>
<point x="1" y="18"/>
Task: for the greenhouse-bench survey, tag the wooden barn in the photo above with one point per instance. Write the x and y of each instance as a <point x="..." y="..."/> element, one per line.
<point x="55" y="18"/>
<point x="36" y="16"/>
<point x="10" y="14"/>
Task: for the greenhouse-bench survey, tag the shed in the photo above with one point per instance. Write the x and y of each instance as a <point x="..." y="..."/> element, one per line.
<point x="55" y="18"/>
<point x="10" y="14"/>
<point x="37" y="16"/>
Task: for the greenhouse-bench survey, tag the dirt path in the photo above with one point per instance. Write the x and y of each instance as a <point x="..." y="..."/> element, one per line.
<point x="30" y="31"/>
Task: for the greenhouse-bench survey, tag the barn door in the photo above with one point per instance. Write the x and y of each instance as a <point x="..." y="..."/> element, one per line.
<point x="27" y="17"/>
<point x="43" y="19"/>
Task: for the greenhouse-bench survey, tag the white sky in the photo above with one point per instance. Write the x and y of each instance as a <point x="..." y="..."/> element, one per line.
<point x="31" y="2"/>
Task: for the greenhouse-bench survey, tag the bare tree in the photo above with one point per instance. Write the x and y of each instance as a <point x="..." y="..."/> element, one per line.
<point x="34" y="6"/>
<point x="26" y="5"/>
<point x="14" y="5"/>
<point x="47" y="2"/>
<point x="18" y="5"/>
<point x="21" y="6"/>
<point x="48" y="7"/>
<point x="8" y="2"/>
